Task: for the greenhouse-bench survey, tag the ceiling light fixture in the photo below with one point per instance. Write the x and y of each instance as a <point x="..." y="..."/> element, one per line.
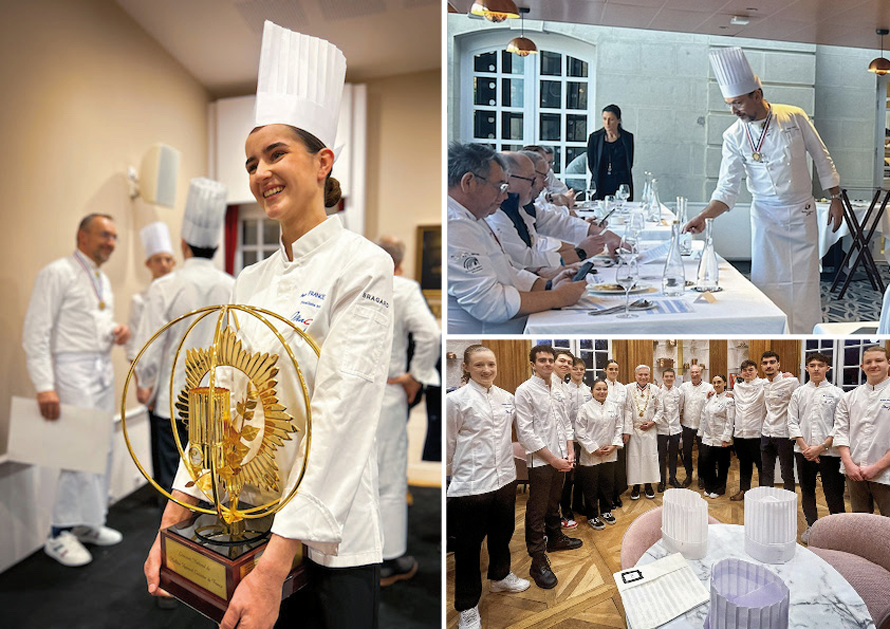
<point x="740" y="20"/>
<point x="522" y="45"/>
<point x="880" y="65"/>
<point x="495" y="10"/>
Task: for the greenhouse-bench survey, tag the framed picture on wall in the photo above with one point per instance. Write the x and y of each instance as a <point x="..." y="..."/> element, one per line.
<point x="428" y="265"/>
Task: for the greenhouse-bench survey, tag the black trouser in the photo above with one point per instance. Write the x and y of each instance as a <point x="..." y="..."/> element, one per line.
<point x="748" y="451"/>
<point x="596" y="482"/>
<point x="164" y="455"/>
<point x="474" y="518"/>
<point x="832" y="484"/>
<point x="668" y="445"/>
<point x="336" y="598"/>
<point x="770" y="448"/>
<point x="690" y="436"/>
<point x="542" y="508"/>
<point x="713" y="465"/>
<point x="572" y="500"/>
<point x="619" y="478"/>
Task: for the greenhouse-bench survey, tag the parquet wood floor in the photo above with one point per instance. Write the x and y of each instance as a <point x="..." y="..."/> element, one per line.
<point x="586" y="596"/>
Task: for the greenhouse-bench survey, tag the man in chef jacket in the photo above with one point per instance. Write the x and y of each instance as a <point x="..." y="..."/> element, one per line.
<point x="774" y="441"/>
<point x="68" y="334"/>
<point x="769" y="144"/>
<point x="693" y="395"/>
<point x="486" y="293"/>
<point x="643" y="411"/>
<point x="159" y="261"/>
<point x="197" y="284"/>
<point x="411" y="316"/>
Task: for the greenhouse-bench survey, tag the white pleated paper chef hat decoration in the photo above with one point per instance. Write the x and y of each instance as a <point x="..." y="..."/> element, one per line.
<point x="733" y="72"/>
<point x="205" y="211"/>
<point x="300" y="82"/>
<point x="156" y="239"/>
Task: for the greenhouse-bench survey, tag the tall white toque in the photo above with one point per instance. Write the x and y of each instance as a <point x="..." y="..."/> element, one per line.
<point x="300" y="82"/>
<point x="156" y="239"/>
<point x="733" y="72"/>
<point x="205" y="211"/>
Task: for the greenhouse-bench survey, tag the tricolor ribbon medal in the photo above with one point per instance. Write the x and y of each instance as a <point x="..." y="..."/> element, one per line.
<point x="97" y="286"/>
<point x="756" y="155"/>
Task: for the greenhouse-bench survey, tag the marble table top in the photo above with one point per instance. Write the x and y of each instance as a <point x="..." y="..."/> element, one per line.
<point x="820" y="596"/>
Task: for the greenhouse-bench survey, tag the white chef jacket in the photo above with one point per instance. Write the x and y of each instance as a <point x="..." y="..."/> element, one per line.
<point x="617" y="393"/>
<point x="884" y="323"/>
<point x="411" y="315"/>
<point x="543" y="252"/>
<point x="862" y="423"/>
<point x="542" y="420"/>
<point x="597" y="425"/>
<point x="137" y="304"/>
<point x="478" y="446"/>
<point x="580" y="392"/>
<point x="784" y="242"/>
<point x="811" y="414"/>
<point x="338" y="290"/>
<point x="670" y="401"/>
<point x="64" y="316"/>
<point x="692" y="401"/>
<point x="776" y="397"/>
<point x="642" y="448"/>
<point x="553" y="184"/>
<point x="197" y="284"/>
<point x="750" y="409"/>
<point x="483" y="286"/>
<point x="717" y="419"/>
<point x="555" y="223"/>
<point x="571" y="400"/>
<point x="67" y="339"/>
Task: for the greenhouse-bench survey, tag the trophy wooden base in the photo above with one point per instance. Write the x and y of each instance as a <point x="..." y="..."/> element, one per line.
<point x="203" y="574"/>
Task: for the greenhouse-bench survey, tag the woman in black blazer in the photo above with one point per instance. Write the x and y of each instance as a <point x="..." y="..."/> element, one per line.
<point x="610" y="154"/>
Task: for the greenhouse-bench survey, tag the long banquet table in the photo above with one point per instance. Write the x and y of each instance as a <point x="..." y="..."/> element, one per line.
<point x="740" y="308"/>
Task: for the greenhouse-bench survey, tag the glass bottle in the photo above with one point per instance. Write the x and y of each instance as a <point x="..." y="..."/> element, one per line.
<point x="707" y="268"/>
<point x="685" y="237"/>
<point x="673" y="281"/>
<point x="654" y="213"/>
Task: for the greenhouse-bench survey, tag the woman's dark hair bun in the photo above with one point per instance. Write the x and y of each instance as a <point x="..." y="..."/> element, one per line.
<point x="331" y="192"/>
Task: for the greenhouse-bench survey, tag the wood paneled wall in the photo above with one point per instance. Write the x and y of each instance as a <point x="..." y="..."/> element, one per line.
<point x="717" y="356"/>
<point x="788" y="351"/>
<point x="513" y="365"/>
<point x="629" y="354"/>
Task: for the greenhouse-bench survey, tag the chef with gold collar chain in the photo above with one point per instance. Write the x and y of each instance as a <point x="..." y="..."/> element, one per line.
<point x="769" y="143"/>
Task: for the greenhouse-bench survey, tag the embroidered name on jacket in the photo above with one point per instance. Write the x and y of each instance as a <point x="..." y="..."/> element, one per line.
<point x="375" y="299"/>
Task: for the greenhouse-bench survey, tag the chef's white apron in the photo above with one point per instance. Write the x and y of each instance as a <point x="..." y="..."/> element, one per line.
<point x="642" y="457"/>
<point x="87" y="380"/>
<point x="785" y="260"/>
<point x="392" y="465"/>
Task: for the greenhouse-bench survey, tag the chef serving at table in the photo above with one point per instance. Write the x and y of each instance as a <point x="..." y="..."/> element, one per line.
<point x="769" y="143"/>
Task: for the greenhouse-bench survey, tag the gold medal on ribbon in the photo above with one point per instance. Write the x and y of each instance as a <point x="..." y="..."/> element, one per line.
<point x="756" y="156"/>
<point x="101" y="305"/>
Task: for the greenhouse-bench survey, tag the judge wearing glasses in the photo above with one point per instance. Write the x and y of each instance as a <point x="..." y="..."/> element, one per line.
<point x="486" y="293"/>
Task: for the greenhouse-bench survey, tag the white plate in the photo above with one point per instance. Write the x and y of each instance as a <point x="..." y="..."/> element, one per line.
<point x="615" y="289"/>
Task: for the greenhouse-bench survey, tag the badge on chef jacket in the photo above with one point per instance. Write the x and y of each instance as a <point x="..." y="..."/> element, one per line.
<point x="469" y="261"/>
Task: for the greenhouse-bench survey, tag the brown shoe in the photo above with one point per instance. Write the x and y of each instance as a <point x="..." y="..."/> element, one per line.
<point x="738" y="496"/>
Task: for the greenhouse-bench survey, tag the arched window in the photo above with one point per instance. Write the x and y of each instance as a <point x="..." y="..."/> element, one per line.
<point x="508" y="101"/>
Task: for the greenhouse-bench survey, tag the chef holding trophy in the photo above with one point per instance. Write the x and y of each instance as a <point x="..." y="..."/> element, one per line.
<point x="287" y="397"/>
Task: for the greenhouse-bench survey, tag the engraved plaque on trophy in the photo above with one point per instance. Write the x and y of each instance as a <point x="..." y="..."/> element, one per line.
<point x="234" y="434"/>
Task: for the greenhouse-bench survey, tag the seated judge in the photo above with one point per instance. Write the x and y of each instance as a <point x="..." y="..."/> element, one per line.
<point x="610" y="155"/>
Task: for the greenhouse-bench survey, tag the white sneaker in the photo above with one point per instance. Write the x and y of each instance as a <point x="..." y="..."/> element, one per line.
<point x="469" y="619"/>
<point x="67" y="550"/>
<point x="805" y="536"/>
<point x="102" y="536"/>
<point x="713" y="495"/>
<point x="510" y="583"/>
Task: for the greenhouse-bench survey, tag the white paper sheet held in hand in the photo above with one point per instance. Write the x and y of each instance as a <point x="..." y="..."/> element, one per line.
<point x="660" y="591"/>
<point x="78" y="440"/>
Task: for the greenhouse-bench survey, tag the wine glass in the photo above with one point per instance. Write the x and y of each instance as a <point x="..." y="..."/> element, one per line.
<point x="623" y="193"/>
<point x="591" y="190"/>
<point x="626" y="276"/>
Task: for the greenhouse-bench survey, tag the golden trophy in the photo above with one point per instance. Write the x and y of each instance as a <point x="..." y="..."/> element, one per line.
<point x="234" y="434"/>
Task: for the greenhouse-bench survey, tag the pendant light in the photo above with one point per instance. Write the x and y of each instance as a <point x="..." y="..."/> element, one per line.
<point x="495" y="10"/>
<point x="880" y="65"/>
<point x="522" y="45"/>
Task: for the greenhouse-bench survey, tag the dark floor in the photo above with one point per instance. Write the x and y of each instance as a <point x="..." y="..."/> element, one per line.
<point x="110" y="592"/>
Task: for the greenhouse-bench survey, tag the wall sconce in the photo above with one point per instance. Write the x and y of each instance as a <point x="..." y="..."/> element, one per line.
<point x="495" y="10"/>
<point x="522" y="45"/>
<point x="880" y="65"/>
<point x="155" y="181"/>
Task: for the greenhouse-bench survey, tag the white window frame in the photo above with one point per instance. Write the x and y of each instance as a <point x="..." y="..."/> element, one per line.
<point x="574" y="346"/>
<point x="493" y="41"/>
<point x="252" y="213"/>
<point x="837" y="348"/>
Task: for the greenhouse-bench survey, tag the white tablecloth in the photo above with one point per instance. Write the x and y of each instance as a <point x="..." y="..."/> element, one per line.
<point x="826" y="237"/>
<point x="740" y="309"/>
<point x="820" y="596"/>
<point x="659" y="230"/>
